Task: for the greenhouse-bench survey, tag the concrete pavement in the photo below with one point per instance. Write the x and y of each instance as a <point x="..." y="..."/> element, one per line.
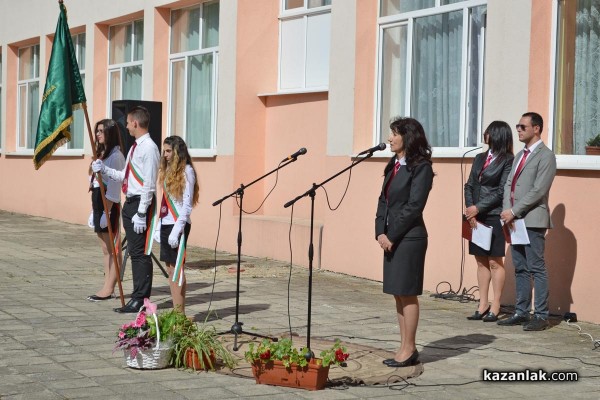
<point x="54" y="344"/>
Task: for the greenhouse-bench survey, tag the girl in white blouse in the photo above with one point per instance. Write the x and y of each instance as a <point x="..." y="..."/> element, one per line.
<point x="108" y="150"/>
<point x="177" y="177"/>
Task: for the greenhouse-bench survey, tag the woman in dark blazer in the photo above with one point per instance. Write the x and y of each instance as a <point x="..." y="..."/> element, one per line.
<point x="483" y="201"/>
<point x="400" y="229"/>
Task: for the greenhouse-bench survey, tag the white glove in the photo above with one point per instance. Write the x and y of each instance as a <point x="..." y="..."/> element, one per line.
<point x="174" y="236"/>
<point x="139" y="224"/>
<point x="103" y="223"/>
<point x="156" y="236"/>
<point x="98" y="166"/>
<point x="91" y="220"/>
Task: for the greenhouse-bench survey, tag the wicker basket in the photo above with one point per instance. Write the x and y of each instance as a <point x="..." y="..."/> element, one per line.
<point x="155" y="358"/>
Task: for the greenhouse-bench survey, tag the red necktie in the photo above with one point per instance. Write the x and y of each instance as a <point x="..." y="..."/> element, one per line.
<point x="487" y="163"/>
<point x="394" y="172"/>
<point x="126" y="179"/>
<point x="516" y="176"/>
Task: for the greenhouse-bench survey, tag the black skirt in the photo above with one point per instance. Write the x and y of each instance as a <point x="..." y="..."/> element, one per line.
<point x="98" y="209"/>
<point x="404" y="266"/>
<point x="498" y="246"/>
<point x="167" y="253"/>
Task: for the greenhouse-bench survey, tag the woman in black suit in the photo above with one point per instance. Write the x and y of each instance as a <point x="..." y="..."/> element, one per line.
<point x="483" y="201"/>
<point x="400" y="229"/>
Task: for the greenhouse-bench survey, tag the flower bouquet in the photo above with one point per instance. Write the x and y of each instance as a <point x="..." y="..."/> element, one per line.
<point x="143" y="344"/>
<point x="279" y="363"/>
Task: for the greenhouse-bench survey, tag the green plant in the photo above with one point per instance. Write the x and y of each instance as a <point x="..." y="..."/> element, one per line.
<point x="171" y="323"/>
<point x="284" y="351"/>
<point x="204" y="339"/>
<point x="594" y="141"/>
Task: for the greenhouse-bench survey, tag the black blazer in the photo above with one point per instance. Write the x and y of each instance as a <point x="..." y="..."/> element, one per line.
<point x="407" y="196"/>
<point x="486" y="193"/>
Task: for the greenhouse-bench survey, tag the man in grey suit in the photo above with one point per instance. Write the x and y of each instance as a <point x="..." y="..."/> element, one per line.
<point x="526" y="196"/>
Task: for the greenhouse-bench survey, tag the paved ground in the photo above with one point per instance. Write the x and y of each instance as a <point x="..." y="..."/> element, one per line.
<point x="56" y="345"/>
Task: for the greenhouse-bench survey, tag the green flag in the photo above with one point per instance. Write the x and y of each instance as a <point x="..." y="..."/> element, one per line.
<point x="63" y="93"/>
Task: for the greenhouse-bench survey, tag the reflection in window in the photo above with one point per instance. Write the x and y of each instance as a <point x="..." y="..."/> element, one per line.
<point x="28" y="96"/>
<point x="125" y="56"/>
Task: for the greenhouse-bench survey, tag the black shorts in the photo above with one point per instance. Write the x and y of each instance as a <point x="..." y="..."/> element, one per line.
<point x="98" y="209"/>
<point x="167" y="253"/>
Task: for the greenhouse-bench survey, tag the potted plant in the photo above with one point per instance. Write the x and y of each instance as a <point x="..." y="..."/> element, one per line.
<point x="146" y="341"/>
<point x="279" y="363"/>
<point x="593" y="146"/>
<point x="198" y="347"/>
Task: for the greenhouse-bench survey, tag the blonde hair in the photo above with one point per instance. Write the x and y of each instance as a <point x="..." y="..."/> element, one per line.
<point x="172" y="174"/>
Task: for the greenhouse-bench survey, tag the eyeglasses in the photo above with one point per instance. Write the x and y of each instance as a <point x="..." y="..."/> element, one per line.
<point x="521" y="127"/>
<point x="99" y="130"/>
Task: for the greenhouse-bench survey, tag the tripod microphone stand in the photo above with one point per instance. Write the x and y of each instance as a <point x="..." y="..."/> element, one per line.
<point x="311" y="193"/>
<point x="236" y="328"/>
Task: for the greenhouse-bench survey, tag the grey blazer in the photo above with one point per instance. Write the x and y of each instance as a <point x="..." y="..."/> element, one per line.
<point x="532" y="187"/>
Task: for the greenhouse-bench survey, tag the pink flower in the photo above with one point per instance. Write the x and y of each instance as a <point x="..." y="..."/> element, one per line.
<point x="140" y="320"/>
<point x="121" y="335"/>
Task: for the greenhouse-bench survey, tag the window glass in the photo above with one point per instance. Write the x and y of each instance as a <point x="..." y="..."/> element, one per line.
<point x="194" y="54"/>
<point x="28" y="96"/>
<point x="290" y="4"/>
<point x="210" y="26"/>
<point x="391" y="7"/>
<point x="577" y="104"/>
<point x="77" y="128"/>
<point x="185" y="29"/>
<point x="422" y="73"/>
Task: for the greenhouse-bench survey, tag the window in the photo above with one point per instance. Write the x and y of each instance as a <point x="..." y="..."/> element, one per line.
<point x="431" y="55"/>
<point x="577" y="85"/>
<point x="125" y="55"/>
<point x="304" y="41"/>
<point x="28" y="96"/>
<point x="193" y="71"/>
<point x="77" y="127"/>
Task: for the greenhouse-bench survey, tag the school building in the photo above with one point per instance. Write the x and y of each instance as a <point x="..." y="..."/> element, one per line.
<point x="246" y="83"/>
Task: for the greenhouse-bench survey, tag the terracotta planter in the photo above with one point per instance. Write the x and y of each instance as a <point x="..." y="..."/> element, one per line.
<point x="592" y="150"/>
<point x="311" y="377"/>
<point x="192" y="360"/>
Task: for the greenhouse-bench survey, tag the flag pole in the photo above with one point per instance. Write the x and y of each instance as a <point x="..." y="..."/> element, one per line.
<point x="111" y="236"/>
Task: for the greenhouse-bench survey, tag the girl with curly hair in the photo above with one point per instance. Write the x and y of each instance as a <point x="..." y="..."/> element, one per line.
<point x="177" y="176"/>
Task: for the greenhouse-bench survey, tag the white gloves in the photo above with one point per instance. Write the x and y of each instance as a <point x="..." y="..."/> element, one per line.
<point x="103" y="222"/>
<point x="174" y="236"/>
<point x="139" y="224"/>
<point x="98" y="166"/>
<point x="91" y="220"/>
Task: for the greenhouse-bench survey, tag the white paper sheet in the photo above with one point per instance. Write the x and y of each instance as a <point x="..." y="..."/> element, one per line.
<point x="518" y="235"/>
<point x="482" y="236"/>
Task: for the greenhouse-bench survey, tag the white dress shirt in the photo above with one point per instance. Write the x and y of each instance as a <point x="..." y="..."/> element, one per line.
<point x="115" y="160"/>
<point x="183" y="206"/>
<point x="144" y="165"/>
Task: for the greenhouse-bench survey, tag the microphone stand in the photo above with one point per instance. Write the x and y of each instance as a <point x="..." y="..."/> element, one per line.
<point x="311" y="193"/>
<point x="236" y="328"/>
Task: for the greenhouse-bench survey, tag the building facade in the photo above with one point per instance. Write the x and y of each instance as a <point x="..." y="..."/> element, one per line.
<point x="249" y="82"/>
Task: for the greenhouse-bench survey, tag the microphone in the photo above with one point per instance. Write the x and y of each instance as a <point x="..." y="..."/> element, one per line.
<point x="380" y="146"/>
<point x="295" y="155"/>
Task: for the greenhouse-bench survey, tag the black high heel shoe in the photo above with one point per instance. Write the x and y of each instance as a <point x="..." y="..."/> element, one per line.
<point x="478" y="316"/>
<point x="412" y="360"/>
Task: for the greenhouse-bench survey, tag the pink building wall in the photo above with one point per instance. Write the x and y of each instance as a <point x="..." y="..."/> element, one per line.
<point x="270" y="126"/>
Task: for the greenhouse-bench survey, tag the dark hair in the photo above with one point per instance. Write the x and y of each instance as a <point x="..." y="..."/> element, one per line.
<point x="536" y="119"/>
<point x="141" y="115"/>
<point x="500" y="138"/>
<point x="416" y="146"/>
<point x="111" y="138"/>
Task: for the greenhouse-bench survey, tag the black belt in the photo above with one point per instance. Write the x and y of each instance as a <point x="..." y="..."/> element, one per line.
<point x="131" y="199"/>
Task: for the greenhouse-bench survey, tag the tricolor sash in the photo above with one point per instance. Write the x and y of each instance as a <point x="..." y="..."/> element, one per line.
<point x="151" y="222"/>
<point x="168" y="204"/>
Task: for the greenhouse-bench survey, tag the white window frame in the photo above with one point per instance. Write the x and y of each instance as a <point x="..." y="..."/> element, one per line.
<point x="184" y="57"/>
<point x="408" y="19"/>
<point x="296" y="13"/>
<point x="120" y="67"/>
<point x="563" y="161"/>
<point x="25" y="83"/>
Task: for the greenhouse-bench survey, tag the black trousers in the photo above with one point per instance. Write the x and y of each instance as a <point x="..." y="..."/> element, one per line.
<point x="141" y="264"/>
